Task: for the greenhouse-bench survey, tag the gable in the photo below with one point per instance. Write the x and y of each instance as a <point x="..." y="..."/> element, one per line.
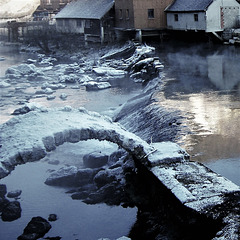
<point x="189" y="5"/>
<point x="86" y="9"/>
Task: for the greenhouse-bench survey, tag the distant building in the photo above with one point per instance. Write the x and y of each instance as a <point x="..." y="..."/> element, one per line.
<point x="48" y="9"/>
<point x="92" y="18"/>
<point x="203" y="15"/>
<point x="141" y="16"/>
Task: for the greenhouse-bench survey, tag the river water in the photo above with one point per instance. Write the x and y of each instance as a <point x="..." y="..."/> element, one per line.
<point x="203" y="82"/>
<point x="200" y="80"/>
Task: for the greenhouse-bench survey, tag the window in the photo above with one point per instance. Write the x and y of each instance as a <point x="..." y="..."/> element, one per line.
<point x="120" y="14"/>
<point x="79" y="23"/>
<point x="60" y="22"/>
<point x="176" y="17"/>
<point x="196" y="17"/>
<point x="150" y="13"/>
<point x="127" y="13"/>
<point x="88" y="24"/>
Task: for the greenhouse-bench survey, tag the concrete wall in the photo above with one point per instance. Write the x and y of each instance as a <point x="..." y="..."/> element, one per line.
<point x="186" y="21"/>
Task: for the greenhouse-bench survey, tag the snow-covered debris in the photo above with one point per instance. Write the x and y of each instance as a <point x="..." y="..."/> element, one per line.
<point x="92" y="85"/>
<point x="4" y="84"/>
<point x="101" y="71"/>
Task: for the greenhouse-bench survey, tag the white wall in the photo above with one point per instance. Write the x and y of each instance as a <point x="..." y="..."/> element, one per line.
<point x="186" y="21"/>
<point x="231" y="11"/>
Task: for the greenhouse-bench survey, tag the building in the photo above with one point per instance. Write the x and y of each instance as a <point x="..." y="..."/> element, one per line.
<point x="92" y="18"/>
<point x="203" y="15"/>
<point x="48" y="9"/>
<point x="146" y="18"/>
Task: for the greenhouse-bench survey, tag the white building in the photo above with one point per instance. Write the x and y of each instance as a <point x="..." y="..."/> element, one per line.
<point x="203" y="15"/>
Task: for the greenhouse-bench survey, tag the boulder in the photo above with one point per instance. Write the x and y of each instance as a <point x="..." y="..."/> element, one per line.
<point x="91" y="86"/>
<point x="101" y="71"/>
<point x="3" y="190"/>
<point x="11" y="211"/>
<point x="63" y="96"/>
<point x="84" y="176"/>
<point x="14" y="194"/>
<point x="95" y="160"/>
<point x="63" y="177"/>
<point x="35" y="229"/>
<point x="52" y="217"/>
<point x="4" y="84"/>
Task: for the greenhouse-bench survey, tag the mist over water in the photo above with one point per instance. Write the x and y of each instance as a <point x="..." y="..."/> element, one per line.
<point x="203" y="81"/>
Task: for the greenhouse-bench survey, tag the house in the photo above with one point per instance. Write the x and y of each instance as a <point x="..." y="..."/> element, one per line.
<point x="146" y="18"/>
<point x="92" y="18"/>
<point x="203" y="15"/>
<point x="48" y="9"/>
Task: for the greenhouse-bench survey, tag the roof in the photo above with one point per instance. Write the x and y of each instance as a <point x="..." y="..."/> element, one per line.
<point x="189" y="5"/>
<point x="86" y="9"/>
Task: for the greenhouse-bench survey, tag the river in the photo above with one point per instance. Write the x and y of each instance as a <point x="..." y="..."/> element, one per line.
<point x="203" y="82"/>
<point x="200" y="80"/>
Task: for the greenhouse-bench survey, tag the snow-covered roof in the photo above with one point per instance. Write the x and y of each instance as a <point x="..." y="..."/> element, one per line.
<point x="86" y="9"/>
<point x="189" y="5"/>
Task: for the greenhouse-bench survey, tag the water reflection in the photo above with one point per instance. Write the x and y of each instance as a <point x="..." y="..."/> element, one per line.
<point x="204" y="83"/>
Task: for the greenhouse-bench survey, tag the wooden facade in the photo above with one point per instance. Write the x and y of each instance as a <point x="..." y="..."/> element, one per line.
<point x="141" y="14"/>
<point x="91" y="18"/>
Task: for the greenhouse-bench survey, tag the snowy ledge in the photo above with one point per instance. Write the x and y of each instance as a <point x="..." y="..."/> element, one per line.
<point x="29" y="137"/>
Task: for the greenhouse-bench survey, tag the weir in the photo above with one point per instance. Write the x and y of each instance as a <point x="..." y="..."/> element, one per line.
<point x="196" y="188"/>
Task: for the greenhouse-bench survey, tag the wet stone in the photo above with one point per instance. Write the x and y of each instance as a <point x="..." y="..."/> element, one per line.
<point x="35" y="229"/>
<point x="11" y="211"/>
<point x="14" y="194"/>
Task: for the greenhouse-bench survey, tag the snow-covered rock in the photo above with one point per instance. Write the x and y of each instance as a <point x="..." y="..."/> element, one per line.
<point x="101" y="71"/>
<point x="95" y="160"/>
<point x="91" y="86"/>
<point x="4" y="84"/>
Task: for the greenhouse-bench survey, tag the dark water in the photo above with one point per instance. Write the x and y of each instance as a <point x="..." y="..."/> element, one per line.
<point x="203" y="81"/>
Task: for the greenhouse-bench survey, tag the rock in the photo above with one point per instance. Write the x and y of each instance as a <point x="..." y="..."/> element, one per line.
<point x="115" y="156"/>
<point x="3" y="203"/>
<point x="51" y="97"/>
<point x="101" y="71"/>
<point x="71" y="78"/>
<point x="63" y="177"/>
<point x="104" y="177"/>
<point x="95" y="160"/>
<point x="53" y="86"/>
<point x="3" y="190"/>
<point x="4" y="84"/>
<point x="52" y="217"/>
<point x="35" y="229"/>
<point x="91" y="86"/>
<point x="84" y="176"/>
<point x="11" y="211"/>
<point x="63" y="96"/>
<point x="22" y="110"/>
<point x="14" y="194"/>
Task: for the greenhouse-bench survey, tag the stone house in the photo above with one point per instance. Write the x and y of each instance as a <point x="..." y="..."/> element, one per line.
<point x="203" y="15"/>
<point x="146" y="18"/>
<point x="92" y="18"/>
